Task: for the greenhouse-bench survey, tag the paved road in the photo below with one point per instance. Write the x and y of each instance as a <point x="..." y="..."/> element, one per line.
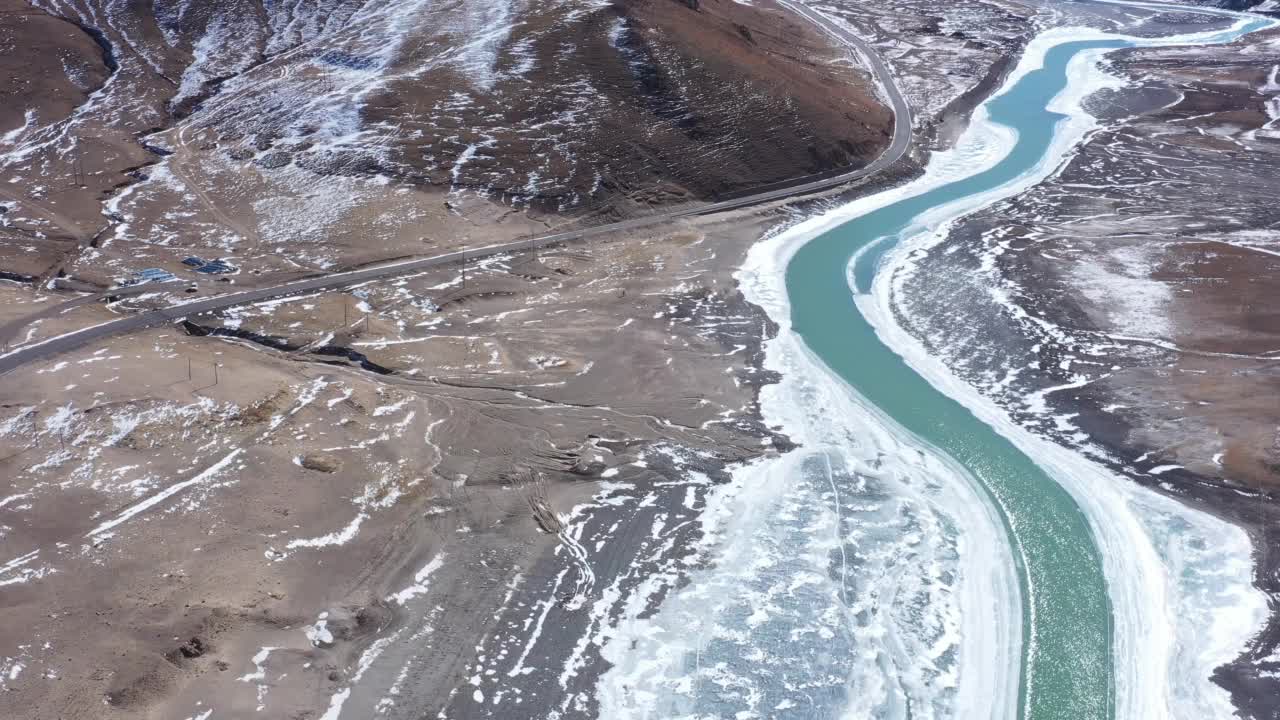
<point x="154" y="318"/>
<point x="10" y="330"/>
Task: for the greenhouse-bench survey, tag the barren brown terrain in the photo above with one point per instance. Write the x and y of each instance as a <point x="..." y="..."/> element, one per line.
<point x="315" y="489"/>
<point x="331" y="503"/>
<point x="430" y="496"/>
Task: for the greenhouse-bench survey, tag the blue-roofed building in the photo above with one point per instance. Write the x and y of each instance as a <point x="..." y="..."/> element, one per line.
<point x="149" y="275"/>
<point x="215" y="267"/>
<point x="156" y="275"/>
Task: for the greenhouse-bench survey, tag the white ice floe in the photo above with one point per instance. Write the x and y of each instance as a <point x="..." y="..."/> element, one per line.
<point x="334" y="711"/>
<point x="420" y="585"/>
<point x="319" y="633"/>
<point x="366" y="660"/>
<point x="337" y="537"/>
<point x="259" y="676"/>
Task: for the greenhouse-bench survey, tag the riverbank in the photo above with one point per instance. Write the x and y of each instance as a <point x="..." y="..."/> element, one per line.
<point x="1189" y="566"/>
<point x="1115" y="311"/>
<point x="1141" y="537"/>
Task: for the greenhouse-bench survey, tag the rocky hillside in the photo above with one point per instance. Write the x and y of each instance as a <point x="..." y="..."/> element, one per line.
<point x="317" y="134"/>
<point x="1264" y="6"/>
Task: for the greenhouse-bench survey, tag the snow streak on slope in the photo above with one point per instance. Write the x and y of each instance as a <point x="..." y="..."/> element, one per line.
<point x="226" y="49"/>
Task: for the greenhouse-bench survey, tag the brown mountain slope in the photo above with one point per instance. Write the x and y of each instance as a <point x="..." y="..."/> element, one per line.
<point x="319" y="135"/>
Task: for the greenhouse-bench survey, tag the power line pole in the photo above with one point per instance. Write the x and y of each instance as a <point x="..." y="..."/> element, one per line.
<point x="77" y="168"/>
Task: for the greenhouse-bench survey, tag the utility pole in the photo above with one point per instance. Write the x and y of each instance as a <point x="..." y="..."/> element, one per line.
<point x="188" y="368"/>
<point x="77" y="169"/>
<point x="215" y="374"/>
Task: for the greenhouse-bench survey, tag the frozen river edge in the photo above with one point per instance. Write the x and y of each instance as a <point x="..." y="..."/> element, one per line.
<point x="1162" y="561"/>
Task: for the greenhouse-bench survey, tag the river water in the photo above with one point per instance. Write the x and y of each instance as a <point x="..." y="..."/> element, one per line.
<point x="911" y="560"/>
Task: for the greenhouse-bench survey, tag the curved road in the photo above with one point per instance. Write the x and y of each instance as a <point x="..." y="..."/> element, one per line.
<point x="154" y="318"/>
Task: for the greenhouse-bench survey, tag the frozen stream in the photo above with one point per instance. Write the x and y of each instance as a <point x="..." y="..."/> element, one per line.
<point x="921" y="556"/>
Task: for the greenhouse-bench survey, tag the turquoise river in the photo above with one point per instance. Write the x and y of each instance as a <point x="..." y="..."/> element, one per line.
<point x="1067" y="618"/>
